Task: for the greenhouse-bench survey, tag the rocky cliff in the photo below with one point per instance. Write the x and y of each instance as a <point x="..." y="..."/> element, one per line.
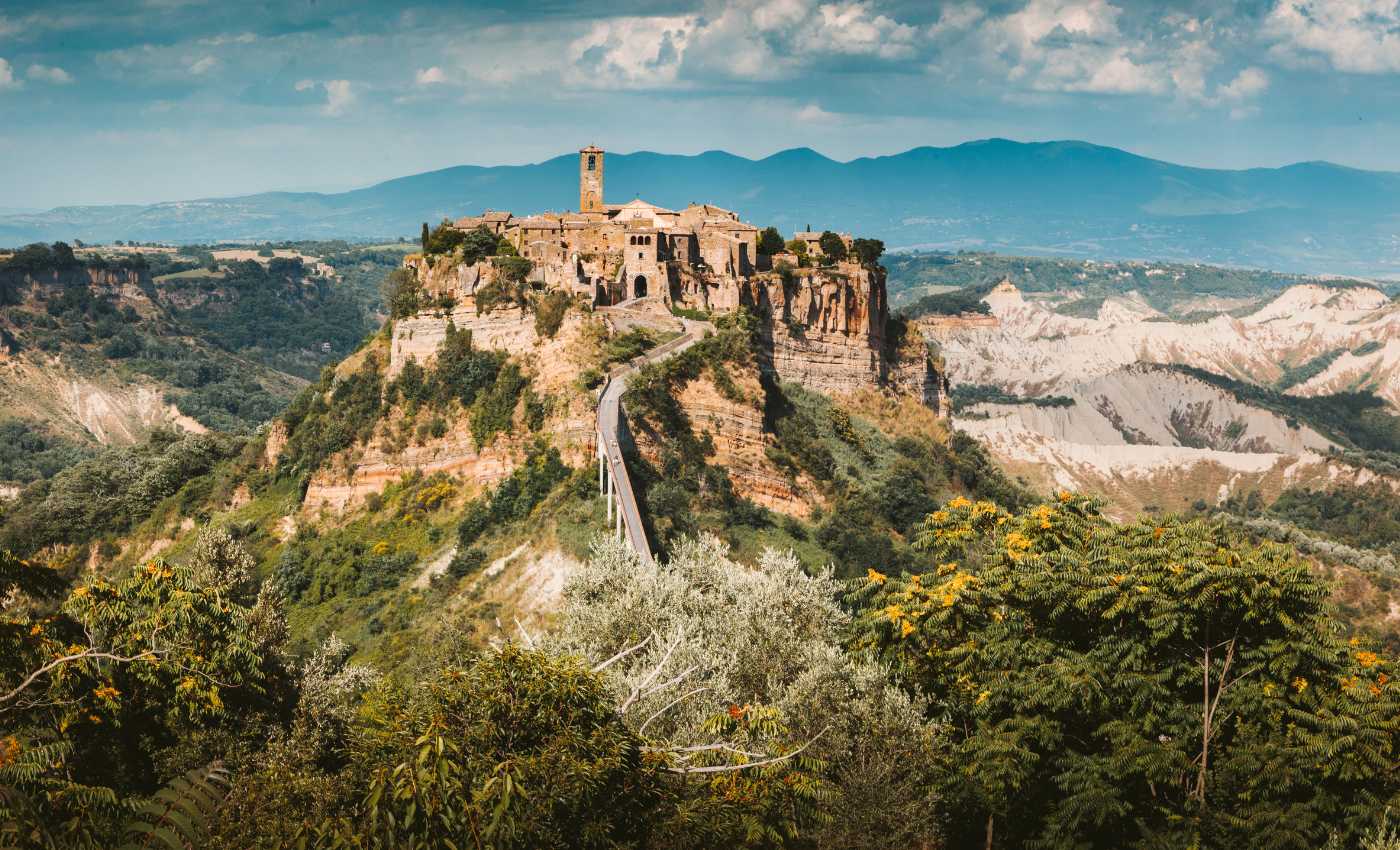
<point x="740" y="442"/>
<point x="830" y="330"/>
<point x="552" y="365"/>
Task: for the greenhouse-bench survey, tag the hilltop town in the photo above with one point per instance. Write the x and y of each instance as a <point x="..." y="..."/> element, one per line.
<point x="824" y="310"/>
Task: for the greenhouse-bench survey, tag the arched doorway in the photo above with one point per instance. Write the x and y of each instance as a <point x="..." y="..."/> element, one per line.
<point x="639" y="287"/>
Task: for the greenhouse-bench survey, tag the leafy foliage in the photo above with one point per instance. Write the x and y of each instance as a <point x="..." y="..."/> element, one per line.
<point x="103" y="695"/>
<point x="330" y="416"/>
<point x="515" y="497"/>
<point x="770" y="241"/>
<point x="868" y="251"/>
<point x="744" y="643"/>
<point x="29" y="452"/>
<point x="111" y="491"/>
<point x="1367" y="515"/>
<point x="178" y="816"/>
<point x="833" y="246"/>
<point x="1142" y="685"/>
<point x="953" y="303"/>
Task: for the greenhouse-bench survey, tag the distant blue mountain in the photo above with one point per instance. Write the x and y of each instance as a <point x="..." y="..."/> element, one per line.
<point x="1069" y="198"/>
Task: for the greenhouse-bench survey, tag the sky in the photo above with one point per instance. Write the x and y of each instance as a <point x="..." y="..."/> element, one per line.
<point x="136" y="101"/>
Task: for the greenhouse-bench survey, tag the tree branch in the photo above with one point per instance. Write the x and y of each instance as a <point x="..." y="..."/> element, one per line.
<point x="730" y="768"/>
<point x="68" y="659"/>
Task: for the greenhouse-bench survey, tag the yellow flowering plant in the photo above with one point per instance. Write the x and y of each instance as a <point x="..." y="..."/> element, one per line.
<point x="1137" y="675"/>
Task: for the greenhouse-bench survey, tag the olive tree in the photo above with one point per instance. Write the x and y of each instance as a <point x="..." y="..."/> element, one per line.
<point x="731" y="639"/>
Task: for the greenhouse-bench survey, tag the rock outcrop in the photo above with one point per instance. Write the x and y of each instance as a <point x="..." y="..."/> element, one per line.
<point x="830" y="330"/>
<point x="740" y="442"/>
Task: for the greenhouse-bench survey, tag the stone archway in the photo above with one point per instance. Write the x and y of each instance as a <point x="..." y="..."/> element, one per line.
<point x="639" y="286"/>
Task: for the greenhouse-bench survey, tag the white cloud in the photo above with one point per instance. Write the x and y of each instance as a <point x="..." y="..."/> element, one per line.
<point x="203" y="65"/>
<point x="339" y="97"/>
<point x="1246" y="84"/>
<point x="1357" y="36"/>
<point x="747" y="41"/>
<point x="958" y="18"/>
<point x="430" y="76"/>
<point x="1118" y="74"/>
<point x="7" y="76"/>
<point x="632" y="52"/>
<point x="1074" y="46"/>
<point x="852" y="29"/>
<point x="813" y="114"/>
<point x="49" y="74"/>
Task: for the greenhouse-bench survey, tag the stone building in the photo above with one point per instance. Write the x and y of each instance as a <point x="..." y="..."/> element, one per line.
<point x="616" y="252"/>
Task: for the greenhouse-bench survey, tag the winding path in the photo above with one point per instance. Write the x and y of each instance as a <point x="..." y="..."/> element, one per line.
<point x="613" y="480"/>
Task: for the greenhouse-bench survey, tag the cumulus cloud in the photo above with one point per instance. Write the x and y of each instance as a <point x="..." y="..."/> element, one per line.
<point x="1075" y="46"/>
<point x="49" y="74"/>
<point x="1357" y="36"/>
<point x="430" y="76"/>
<point x="631" y="52"/>
<point x="7" y="76"/>
<point x="746" y="41"/>
<point x="1246" y="84"/>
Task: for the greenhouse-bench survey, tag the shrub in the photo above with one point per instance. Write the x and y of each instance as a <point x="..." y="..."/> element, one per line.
<point x="757" y="638"/>
<point x="549" y="312"/>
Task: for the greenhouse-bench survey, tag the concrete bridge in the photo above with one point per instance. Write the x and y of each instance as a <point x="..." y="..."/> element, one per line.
<point x="613" y="480"/>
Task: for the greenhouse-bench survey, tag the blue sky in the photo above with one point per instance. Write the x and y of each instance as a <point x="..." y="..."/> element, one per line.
<point x="104" y="101"/>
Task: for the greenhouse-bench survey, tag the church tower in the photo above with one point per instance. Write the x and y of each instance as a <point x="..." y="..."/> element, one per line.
<point x="590" y="179"/>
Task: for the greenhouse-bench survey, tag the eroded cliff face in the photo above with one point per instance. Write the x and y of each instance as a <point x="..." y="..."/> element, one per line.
<point x="830" y="330"/>
<point x="553" y="366"/>
<point x="740" y="442"/>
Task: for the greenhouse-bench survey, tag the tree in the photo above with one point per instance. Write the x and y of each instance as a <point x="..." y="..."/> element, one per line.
<point x="175" y="657"/>
<point x="798" y="247"/>
<point x="401" y="293"/>
<point x="514" y="269"/>
<point x="868" y="251"/>
<point x="770" y="241"/>
<point x="833" y="246"/>
<point x="425" y="238"/>
<point x="1150" y="684"/>
<point x="507" y="749"/>
<point x="743" y="641"/>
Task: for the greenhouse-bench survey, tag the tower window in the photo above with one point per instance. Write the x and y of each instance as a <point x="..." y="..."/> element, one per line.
<point x="592" y="162"/>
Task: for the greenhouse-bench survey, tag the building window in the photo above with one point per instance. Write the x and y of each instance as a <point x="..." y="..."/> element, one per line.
<point x="592" y="162"/>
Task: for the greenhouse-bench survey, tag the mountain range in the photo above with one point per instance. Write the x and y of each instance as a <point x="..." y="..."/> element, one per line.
<point x="1060" y="198"/>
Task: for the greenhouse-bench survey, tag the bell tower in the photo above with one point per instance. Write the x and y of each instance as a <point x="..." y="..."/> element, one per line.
<point x="590" y="179"/>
